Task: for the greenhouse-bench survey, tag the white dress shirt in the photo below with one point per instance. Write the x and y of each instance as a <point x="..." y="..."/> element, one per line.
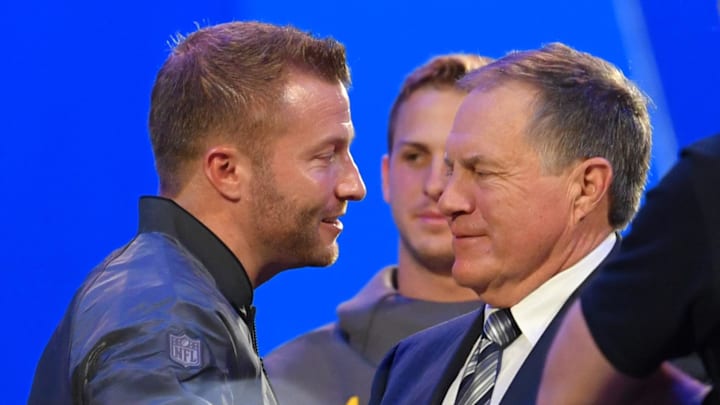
<point x="533" y="314"/>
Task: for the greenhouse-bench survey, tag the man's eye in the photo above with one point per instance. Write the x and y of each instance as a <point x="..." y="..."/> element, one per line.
<point x="414" y="158"/>
<point x="328" y="156"/>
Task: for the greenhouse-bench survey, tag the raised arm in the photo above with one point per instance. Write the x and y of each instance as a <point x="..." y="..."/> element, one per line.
<point x="577" y="372"/>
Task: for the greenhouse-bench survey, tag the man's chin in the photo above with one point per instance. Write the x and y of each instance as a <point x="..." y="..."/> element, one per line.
<point x="467" y="275"/>
<point x="333" y="252"/>
<point x="324" y="256"/>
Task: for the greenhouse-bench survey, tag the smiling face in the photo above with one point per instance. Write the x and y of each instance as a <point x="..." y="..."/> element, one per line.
<point x="302" y="188"/>
<point x="506" y="214"/>
<point x="413" y="176"/>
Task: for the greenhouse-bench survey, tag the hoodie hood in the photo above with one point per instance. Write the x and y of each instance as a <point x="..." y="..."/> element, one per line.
<point x="378" y="317"/>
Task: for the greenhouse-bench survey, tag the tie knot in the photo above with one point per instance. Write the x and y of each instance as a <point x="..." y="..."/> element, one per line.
<point x="500" y="327"/>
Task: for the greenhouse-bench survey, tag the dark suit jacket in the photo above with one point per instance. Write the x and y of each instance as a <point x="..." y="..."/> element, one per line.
<point x="421" y="368"/>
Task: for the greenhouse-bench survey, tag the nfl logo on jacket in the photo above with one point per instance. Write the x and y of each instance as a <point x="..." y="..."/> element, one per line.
<point x="185" y="351"/>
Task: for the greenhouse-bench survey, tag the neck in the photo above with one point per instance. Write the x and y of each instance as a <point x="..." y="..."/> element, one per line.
<point x="568" y="251"/>
<point x="221" y="223"/>
<point x="420" y="282"/>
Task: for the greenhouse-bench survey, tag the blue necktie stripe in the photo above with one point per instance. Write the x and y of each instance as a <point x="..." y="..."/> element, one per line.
<point x="481" y="371"/>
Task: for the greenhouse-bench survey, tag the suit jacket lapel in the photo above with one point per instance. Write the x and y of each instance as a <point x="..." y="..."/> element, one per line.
<point x="524" y="386"/>
<point x="457" y="361"/>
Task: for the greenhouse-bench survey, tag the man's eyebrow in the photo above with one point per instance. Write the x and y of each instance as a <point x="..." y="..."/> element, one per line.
<point x="469" y="161"/>
<point x="337" y="137"/>
<point x="412" y="144"/>
<point x="474" y="160"/>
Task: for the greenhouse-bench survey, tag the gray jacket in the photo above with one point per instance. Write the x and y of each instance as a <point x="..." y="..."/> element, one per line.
<point x="335" y="364"/>
<point x="166" y="318"/>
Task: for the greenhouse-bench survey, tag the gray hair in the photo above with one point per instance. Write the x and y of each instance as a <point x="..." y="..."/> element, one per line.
<point x="585" y="108"/>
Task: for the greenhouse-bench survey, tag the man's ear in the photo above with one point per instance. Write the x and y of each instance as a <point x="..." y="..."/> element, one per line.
<point x="591" y="185"/>
<point x="385" y="173"/>
<point x="228" y="171"/>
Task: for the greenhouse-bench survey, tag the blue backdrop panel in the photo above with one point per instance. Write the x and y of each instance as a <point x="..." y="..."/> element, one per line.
<point x="76" y="79"/>
<point x="686" y="43"/>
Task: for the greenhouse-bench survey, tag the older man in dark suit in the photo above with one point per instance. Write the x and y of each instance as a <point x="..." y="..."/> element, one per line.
<point x="547" y="160"/>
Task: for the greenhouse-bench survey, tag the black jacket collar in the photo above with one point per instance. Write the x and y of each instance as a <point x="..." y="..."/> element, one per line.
<point x="163" y="215"/>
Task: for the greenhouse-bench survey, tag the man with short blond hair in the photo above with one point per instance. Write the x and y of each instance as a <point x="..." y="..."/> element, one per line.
<point x="251" y="130"/>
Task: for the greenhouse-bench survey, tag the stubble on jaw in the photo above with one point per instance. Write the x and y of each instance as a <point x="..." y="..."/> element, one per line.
<point x="287" y="230"/>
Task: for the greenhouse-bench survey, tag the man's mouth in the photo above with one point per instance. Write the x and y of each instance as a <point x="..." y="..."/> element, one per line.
<point x="432" y="217"/>
<point x="334" y="221"/>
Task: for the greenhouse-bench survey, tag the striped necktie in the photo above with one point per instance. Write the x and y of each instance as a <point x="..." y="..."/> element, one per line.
<point x="479" y="376"/>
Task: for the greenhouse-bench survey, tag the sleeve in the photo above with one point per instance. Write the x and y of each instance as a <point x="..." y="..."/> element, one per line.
<point x="640" y="307"/>
<point x="190" y="358"/>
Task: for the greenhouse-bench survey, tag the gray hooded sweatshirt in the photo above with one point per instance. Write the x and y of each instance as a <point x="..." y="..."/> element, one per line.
<point x="335" y="363"/>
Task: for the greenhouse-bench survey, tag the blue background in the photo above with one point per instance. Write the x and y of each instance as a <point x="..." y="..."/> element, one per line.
<point x="75" y="154"/>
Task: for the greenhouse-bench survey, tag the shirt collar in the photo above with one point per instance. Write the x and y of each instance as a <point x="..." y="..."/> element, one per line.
<point x="535" y="312"/>
<point x="165" y="216"/>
